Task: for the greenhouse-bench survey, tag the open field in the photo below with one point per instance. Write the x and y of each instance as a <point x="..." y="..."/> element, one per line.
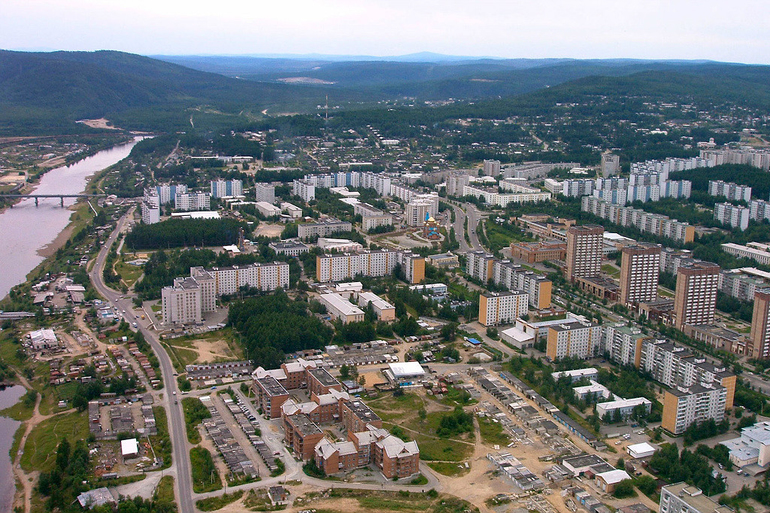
<point x="40" y="449"/>
<point x="353" y="501"/>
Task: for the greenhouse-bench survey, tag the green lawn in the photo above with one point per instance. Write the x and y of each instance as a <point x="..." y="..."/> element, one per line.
<point x="40" y="449"/>
<point x="492" y="432"/>
<point x="205" y="476"/>
<point x="128" y="273"/>
<point x="448" y="469"/>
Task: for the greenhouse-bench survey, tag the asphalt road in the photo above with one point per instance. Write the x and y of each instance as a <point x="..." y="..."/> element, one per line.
<point x="473" y="216"/>
<point x="181" y="455"/>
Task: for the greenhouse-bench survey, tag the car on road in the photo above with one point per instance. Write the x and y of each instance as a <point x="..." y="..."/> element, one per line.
<point x="174" y="392"/>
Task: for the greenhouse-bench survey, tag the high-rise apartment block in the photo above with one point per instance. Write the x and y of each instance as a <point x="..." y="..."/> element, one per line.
<point x="497" y="308"/>
<point x="226" y="188"/>
<point x="696" y="293"/>
<point x="731" y="191"/>
<point x="584" y="251"/>
<point x="455" y="183"/>
<point x="610" y="164"/>
<point x="683" y="407"/>
<point x="624" y="344"/>
<point x="732" y="215"/>
<point x="264" y="192"/>
<point x="192" y="201"/>
<point x="639" y="273"/>
<point x="491" y="167"/>
<point x="646" y="222"/>
<point x="150" y="207"/>
<point x="167" y="192"/>
<point x="485" y="267"/>
<point x="304" y="189"/>
<point x="344" y="266"/>
<point x="760" y="325"/>
<point x="578" y="339"/>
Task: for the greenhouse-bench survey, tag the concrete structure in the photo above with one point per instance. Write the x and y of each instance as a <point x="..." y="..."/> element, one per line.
<point x="741" y="285"/>
<point x="683" y="407"/>
<point x="732" y="215"/>
<point x="532" y="252"/>
<point x="444" y="260"/>
<point x="684" y="498"/>
<point x="579" y="339"/>
<point x="760" y="325"/>
<point x="226" y="188"/>
<point x="262" y="276"/>
<point x="192" y="201"/>
<point x="610" y="164"/>
<point x="289" y="247"/>
<point x="491" y="168"/>
<point x="150" y="207"/>
<point x="607" y="481"/>
<point x="402" y="371"/>
<point x="323" y="228"/>
<point x="167" y="192"/>
<point x="594" y="391"/>
<point x="182" y="302"/>
<point x="624" y="407"/>
<point x="304" y="189"/>
<point x="639" y="273"/>
<point x="264" y="192"/>
<point x="383" y="310"/>
<point x="129" y="448"/>
<point x="731" y="191"/>
<point x="696" y="293"/>
<point x="641" y="450"/>
<point x="584" y="251"/>
<point x="752" y="447"/>
<point x="656" y="224"/>
<point x="341" y="309"/>
<point x="301" y="434"/>
<point x="576" y="375"/>
<point x="754" y="250"/>
<point x="518" y="338"/>
<point x="624" y="344"/>
<point x="485" y="267"/>
<point x="344" y="266"/>
<point x="497" y="308"/>
<point x="43" y="339"/>
<point x="291" y="210"/>
<point x="267" y="209"/>
<point x="720" y="338"/>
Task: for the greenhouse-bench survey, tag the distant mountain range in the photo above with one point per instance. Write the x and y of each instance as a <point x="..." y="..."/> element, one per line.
<point x="47" y="92"/>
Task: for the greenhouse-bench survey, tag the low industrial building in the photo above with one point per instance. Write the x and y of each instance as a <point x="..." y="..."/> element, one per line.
<point x="752" y="447"/>
<point x="641" y="450"/>
<point x="518" y="338"/>
<point x="404" y="372"/>
<point x="607" y="481"/>
<point x="623" y="407"/>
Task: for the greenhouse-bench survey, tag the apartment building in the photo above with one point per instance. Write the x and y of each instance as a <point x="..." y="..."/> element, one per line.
<point x="323" y="228"/>
<point x="192" y="201"/>
<point x="304" y="189"/>
<point x="754" y="158"/>
<point x="760" y="325"/>
<point x="646" y="222"/>
<point x="684" y="498"/>
<point x="355" y="416"/>
<point x="182" y="303"/>
<point x="497" y="308"/>
<point x="682" y="406"/>
<point x="264" y="192"/>
<point x="167" y="192"/>
<point x="742" y="283"/>
<point x="732" y="215"/>
<point x="639" y="273"/>
<point x="731" y="191"/>
<point x="150" y="207"/>
<point x="343" y="266"/>
<point x="674" y="366"/>
<point x="262" y="276"/>
<point x="302" y="435"/>
<point x="696" y="293"/>
<point x="270" y="396"/>
<point x="226" y="188"/>
<point x="532" y="252"/>
<point x="491" y="167"/>
<point x="520" y="194"/>
<point x="455" y="183"/>
<point x="624" y="344"/>
<point x="759" y="210"/>
<point x="382" y="309"/>
<point x="419" y="210"/>
<point x="479" y="265"/>
<point x="579" y="339"/>
<point x="610" y="164"/>
<point x="289" y="247"/>
<point x="341" y="309"/>
<point x="757" y="251"/>
<point x="584" y="251"/>
<point x="372" y="217"/>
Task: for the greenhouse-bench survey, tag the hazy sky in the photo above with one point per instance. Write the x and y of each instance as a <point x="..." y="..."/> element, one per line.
<point x="671" y="29"/>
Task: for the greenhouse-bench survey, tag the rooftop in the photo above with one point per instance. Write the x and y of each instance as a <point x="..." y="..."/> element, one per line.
<point x="303" y="425"/>
<point x="694" y="497"/>
<point x="271" y="386"/>
<point x="362" y="411"/>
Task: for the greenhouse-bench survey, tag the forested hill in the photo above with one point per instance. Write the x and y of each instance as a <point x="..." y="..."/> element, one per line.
<point x="40" y="91"/>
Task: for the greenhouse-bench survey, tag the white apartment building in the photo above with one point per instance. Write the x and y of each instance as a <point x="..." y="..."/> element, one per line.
<point x="266" y="277"/>
<point x="323" y="228"/>
<point x="757" y="251"/>
<point x="579" y="339"/>
<point x="455" y="183"/>
<point x="585" y="246"/>
<point x="731" y="191"/>
<point x="484" y="267"/>
<point x="521" y="194"/>
<point x="644" y="221"/>
<point x="192" y="201"/>
<point x="497" y="308"/>
<point x="491" y="167"/>
<point x="344" y="266"/>
<point x="264" y="192"/>
<point x="372" y="217"/>
<point x="732" y="215"/>
<point x="760" y="210"/>
<point x="226" y="188"/>
<point x="697" y="403"/>
<point x="150" y="207"/>
<point x="304" y="189"/>
<point x="417" y="211"/>
<point x="624" y="344"/>
<point x="167" y="192"/>
<point x="185" y="301"/>
<point x="684" y="498"/>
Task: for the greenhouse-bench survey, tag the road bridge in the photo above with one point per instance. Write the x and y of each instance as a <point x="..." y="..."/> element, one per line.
<point x="60" y="196"/>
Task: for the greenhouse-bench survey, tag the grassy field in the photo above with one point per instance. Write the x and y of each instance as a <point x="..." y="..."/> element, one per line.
<point x="205" y="476"/>
<point x="492" y="433"/>
<point x="369" y="500"/>
<point x="218" y="502"/>
<point x="180" y="356"/>
<point x="165" y="490"/>
<point x="127" y="272"/>
<point x="449" y="469"/>
<point x="611" y="270"/>
<point x="40" y="449"/>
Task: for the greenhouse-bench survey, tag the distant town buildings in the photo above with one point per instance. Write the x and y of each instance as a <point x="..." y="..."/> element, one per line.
<point x="757" y="251"/>
<point x="226" y="188"/>
<point x="323" y="228"/>
<point x="304" y="189"/>
<point x="344" y="266"/>
<point x="731" y="191"/>
<point x="732" y="215"/>
<point x="485" y="267"/>
<point x="192" y="201"/>
<point x="656" y="224"/>
<point x="264" y="192"/>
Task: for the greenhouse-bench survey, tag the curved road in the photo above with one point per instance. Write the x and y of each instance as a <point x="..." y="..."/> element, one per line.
<point x="181" y="455"/>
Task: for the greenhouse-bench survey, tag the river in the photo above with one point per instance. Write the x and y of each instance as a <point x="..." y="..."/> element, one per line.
<point x="25" y="229"/>
<point x="8" y="397"/>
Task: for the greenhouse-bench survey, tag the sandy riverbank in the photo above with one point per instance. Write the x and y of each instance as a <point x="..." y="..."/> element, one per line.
<point x="49" y="249"/>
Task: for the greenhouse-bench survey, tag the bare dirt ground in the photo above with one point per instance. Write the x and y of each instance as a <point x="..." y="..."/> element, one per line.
<point x="102" y="123"/>
<point x="269" y="230"/>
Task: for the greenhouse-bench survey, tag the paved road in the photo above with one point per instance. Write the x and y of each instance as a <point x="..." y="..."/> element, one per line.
<point x="470" y="211"/>
<point x="181" y="455"/>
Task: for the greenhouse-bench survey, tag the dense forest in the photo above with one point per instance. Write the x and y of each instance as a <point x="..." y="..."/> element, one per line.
<point x="176" y="233"/>
<point x="273" y="325"/>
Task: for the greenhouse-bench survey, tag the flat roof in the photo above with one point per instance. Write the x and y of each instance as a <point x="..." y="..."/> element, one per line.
<point x="376" y="300"/>
<point x="614" y="476"/>
<point x="130" y="446"/>
<point x="406" y="369"/>
<point x="574" y="373"/>
<point x="341" y="304"/>
<point x="517" y="335"/>
<point x="641" y="447"/>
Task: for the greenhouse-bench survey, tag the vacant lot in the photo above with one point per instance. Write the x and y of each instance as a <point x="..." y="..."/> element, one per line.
<point x="40" y="449"/>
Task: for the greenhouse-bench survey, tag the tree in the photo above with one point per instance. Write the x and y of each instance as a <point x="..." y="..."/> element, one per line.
<point x="624" y="489"/>
<point x="422" y="414"/>
<point x="344" y="371"/>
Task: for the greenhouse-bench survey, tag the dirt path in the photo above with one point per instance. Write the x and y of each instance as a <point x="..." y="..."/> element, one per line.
<point x="27" y="480"/>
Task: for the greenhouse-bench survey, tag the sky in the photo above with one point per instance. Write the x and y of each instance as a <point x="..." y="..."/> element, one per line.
<point x="645" y="29"/>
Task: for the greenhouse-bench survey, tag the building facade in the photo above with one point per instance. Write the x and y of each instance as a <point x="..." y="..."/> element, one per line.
<point x="497" y="308"/>
<point x="584" y="251"/>
<point x="696" y="293"/>
<point x="639" y="273"/>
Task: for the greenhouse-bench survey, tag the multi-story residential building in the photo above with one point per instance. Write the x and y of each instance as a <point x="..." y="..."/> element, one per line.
<point x="262" y="276"/>
<point x="301" y="434"/>
<point x="584" y="251"/>
<point x="572" y="188"/>
<point x="671" y="259"/>
<point x="343" y="266"/>
<point x="497" y="308"/>
<point x="192" y="201"/>
<point x="485" y="267"/>
<point x="289" y="247"/>
<point x="759" y="210"/>
<point x="491" y="168"/>
<point x="323" y="228"/>
<point x="639" y="273"/>
<point x="684" y="498"/>
<point x="226" y="188"/>
<point x="520" y="194"/>
<point x="167" y="192"/>
<point x="455" y="183"/>
<point x="683" y="407"/>
<point x="757" y="251"/>
<point x="372" y="217"/>
<point x="760" y="325"/>
<point x="532" y="252"/>
<point x="696" y="293"/>
<point x="610" y="164"/>
<point x="675" y="366"/>
<point x="270" y="395"/>
<point x="185" y="301"/>
<point x="480" y="265"/>
<point x="264" y="192"/>
<point x="418" y="211"/>
<point x="735" y="283"/>
<point x="624" y="344"/>
<point x="732" y="215"/>
<point x="304" y="189"/>
<point x="341" y="309"/>
<point x="646" y="222"/>
<point x="150" y="207"/>
<point x="355" y="416"/>
<point x="731" y="191"/>
<point x="579" y="339"/>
